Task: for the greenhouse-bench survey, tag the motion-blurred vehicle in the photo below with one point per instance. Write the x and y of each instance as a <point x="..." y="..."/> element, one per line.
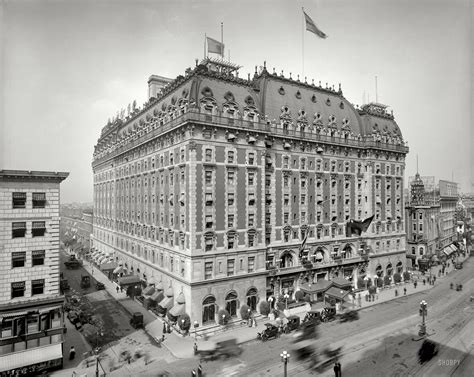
<point x="427" y="351"/>
<point x="137" y="320"/>
<point x="85" y="281"/>
<point x="223" y="349"/>
<point x="293" y="324"/>
<point x="271" y="331"/>
<point x="350" y="315"/>
<point x="326" y="359"/>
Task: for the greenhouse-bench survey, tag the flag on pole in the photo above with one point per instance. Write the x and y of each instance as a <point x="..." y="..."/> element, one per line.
<point x="357" y="227"/>
<point x="214" y="46"/>
<point x="311" y="26"/>
<point x="303" y="244"/>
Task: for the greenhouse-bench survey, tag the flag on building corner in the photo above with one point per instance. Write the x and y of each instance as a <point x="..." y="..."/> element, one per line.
<point x="303" y="244"/>
<point x="311" y="26"/>
<point x="214" y="46"/>
<point x="358" y="227"/>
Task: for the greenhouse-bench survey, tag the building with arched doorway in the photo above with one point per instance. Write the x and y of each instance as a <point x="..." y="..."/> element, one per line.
<point x="211" y="187"/>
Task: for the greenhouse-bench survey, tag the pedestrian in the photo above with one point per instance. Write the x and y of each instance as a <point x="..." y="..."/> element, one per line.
<point x="121" y="289"/>
<point x="405" y="291"/>
<point x="255" y="322"/>
<point x="396" y="292"/>
<point x="193" y="373"/>
<point x="434" y="279"/>
<point x="424" y="282"/>
<point x="146" y="358"/>
<point x="414" y="284"/>
<point x="164" y="327"/>
<point x="118" y="289"/>
<point x="199" y="370"/>
<point x="359" y="299"/>
<point x="337" y="369"/>
<point x="195" y="348"/>
<point x="163" y="338"/>
<point x="72" y="353"/>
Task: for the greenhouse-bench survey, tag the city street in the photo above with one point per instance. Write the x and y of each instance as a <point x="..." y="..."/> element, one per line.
<point x="379" y="343"/>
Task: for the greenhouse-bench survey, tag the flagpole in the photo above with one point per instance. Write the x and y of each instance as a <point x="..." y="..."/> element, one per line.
<point x="222" y="40"/>
<point x="205" y="38"/>
<point x="302" y="39"/>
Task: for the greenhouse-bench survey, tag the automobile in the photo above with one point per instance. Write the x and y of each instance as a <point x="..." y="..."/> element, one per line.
<point x="458" y="265"/>
<point x="85" y="281"/>
<point x="292" y="324"/>
<point x="99" y="286"/>
<point x="64" y="285"/>
<point x="137" y="320"/>
<point x="312" y="315"/>
<point x="73" y="317"/>
<point x="350" y="315"/>
<point x="328" y="314"/>
<point x="271" y="331"/>
<point x="228" y="348"/>
<point x="427" y="351"/>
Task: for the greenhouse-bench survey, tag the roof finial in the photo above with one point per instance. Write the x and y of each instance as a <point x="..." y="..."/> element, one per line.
<point x="197" y="60"/>
<point x="320" y="83"/>
<point x="274" y="72"/>
<point x="340" y="90"/>
<point x="282" y="73"/>
<point x="248" y="77"/>
<point x="298" y="78"/>
<point x="255" y="69"/>
<point x="265" y="64"/>
<point x="312" y="82"/>
<point x="290" y="76"/>
<point x="305" y="80"/>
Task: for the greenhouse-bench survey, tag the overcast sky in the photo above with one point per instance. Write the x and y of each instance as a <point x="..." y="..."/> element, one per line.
<point x="68" y="66"/>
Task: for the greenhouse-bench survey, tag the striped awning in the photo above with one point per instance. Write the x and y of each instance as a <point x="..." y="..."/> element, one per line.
<point x="178" y="309"/>
<point x="20" y="225"/>
<point x="166" y="303"/>
<point x="31" y="356"/>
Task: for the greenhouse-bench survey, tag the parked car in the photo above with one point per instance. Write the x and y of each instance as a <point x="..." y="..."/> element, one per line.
<point x="271" y="331"/>
<point x="293" y="324"/>
<point x="427" y="351"/>
<point x="137" y="320"/>
<point x="312" y="315"/>
<point x="351" y="315"/>
<point x="328" y="314"/>
<point x="99" y="286"/>
<point x="85" y="281"/>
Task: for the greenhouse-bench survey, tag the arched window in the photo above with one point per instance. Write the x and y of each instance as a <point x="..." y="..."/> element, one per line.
<point x="231" y="304"/>
<point x="400" y="267"/>
<point x="209" y="310"/>
<point x="422" y="250"/>
<point x="347" y="251"/>
<point x="286" y="260"/>
<point x="252" y="299"/>
<point x="319" y="255"/>
<point x="389" y="269"/>
<point x="379" y="271"/>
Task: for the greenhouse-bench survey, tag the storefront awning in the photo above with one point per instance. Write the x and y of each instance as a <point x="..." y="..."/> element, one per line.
<point x="177" y="310"/>
<point x="148" y="291"/>
<point x="158" y="296"/>
<point x="166" y="303"/>
<point x="320" y="286"/>
<point x="108" y="266"/>
<point x="341" y="283"/>
<point x="336" y="293"/>
<point x="31" y="356"/>
<point x="448" y="251"/>
<point x="128" y="280"/>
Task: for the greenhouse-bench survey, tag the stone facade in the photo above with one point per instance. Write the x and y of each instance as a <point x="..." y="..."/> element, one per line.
<point x="30" y="299"/>
<point x="212" y="186"/>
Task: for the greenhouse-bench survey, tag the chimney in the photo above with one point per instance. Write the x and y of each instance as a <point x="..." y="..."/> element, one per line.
<point x="156" y="84"/>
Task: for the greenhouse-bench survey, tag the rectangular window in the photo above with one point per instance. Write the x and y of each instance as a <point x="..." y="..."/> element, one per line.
<point x="303" y="199"/>
<point x="18" y="289"/>
<point x="209" y="222"/>
<point x="208" y="176"/>
<point x="230" y="157"/>
<point x="251" y="243"/>
<point x="18" y="229"/>
<point x="230" y="177"/>
<point x="230" y="242"/>
<point x="209" y="200"/>
<point x="303" y="217"/>
<point x="19" y="199"/>
<point x="251" y="264"/>
<point x="286" y="216"/>
<point x="230" y="221"/>
<point x="286" y="199"/>
<point x="230" y="267"/>
<point x="208" y="270"/>
<point x="303" y="182"/>
<point x="18" y="259"/>
<point x="251" y="179"/>
<point x="230" y="199"/>
<point x="286" y="181"/>
<point x="251" y="158"/>
<point x="268" y="180"/>
<point x="37" y="287"/>
<point x="171" y="264"/>
<point x="251" y="220"/>
<point x="38" y="228"/>
<point x="285" y="162"/>
<point x="208" y="155"/>
<point x="251" y="199"/>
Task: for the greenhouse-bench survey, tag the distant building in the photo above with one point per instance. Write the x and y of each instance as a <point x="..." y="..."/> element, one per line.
<point x="209" y="191"/>
<point x="31" y="315"/>
<point x="76" y="233"/>
<point x="448" y="199"/>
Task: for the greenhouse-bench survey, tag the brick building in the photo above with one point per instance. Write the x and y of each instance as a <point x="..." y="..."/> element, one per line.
<point x="209" y="190"/>
<point x="31" y="316"/>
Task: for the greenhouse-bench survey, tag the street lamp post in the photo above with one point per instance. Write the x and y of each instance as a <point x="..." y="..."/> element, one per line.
<point x="196" y="325"/>
<point x="423" y="313"/>
<point x="285" y="357"/>
<point x="286" y="296"/>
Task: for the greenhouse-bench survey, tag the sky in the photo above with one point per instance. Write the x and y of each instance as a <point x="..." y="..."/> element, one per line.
<point x="66" y="67"/>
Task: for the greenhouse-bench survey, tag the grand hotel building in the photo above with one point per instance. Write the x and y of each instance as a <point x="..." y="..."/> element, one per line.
<point x="208" y="190"/>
